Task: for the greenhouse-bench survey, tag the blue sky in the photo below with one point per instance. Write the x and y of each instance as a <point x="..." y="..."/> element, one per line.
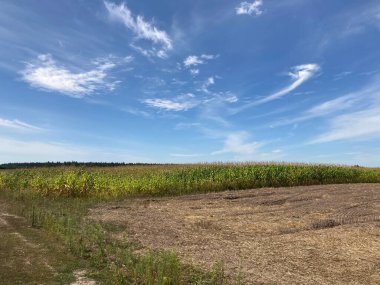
<point x="190" y="81"/>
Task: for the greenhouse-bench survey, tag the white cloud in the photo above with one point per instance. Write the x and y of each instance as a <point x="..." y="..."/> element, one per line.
<point x="18" y="125"/>
<point x="209" y="56"/>
<point x="356" y="125"/>
<point x="180" y="103"/>
<point x="194" y="60"/>
<point x="141" y="28"/>
<point x="210" y="81"/>
<point x="247" y="8"/>
<point x="237" y="143"/>
<point x="300" y="74"/>
<point x="46" y="74"/>
<point x="194" y="71"/>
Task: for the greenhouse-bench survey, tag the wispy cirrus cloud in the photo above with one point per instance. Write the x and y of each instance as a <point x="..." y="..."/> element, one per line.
<point x="180" y="103"/>
<point x="44" y="73"/>
<point x="238" y="143"/>
<point x="360" y="119"/>
<point x="242" y="148"/>
<point x="352" y="116"/>
<point x="334" y="105"/>
<point x="141" y="28"/>
<point x="194" y="60"/>
<point x="210" y="81"/>
<point x="323" y="109"/>
<point x="300" y="74"/>
<point x="18" y="125"/>
<point x="248" y="8"/>
<point x="365" y="98"/>
<point x="361" y="125"/>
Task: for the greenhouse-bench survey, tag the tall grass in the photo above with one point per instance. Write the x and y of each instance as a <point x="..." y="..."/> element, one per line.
<point x="165" y="180"/>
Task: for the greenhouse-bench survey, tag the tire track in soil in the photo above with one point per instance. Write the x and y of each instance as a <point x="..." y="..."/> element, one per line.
<point x="26" y="259"/>
<point x="267" y="233"/>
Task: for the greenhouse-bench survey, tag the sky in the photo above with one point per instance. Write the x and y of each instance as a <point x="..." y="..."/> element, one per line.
<point x="190" y="81"/>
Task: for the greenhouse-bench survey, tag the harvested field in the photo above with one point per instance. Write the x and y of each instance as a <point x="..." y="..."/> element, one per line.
<point x="326" y="234"/>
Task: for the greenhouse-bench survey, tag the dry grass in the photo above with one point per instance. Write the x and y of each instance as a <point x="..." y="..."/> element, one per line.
<point x="301" y="235"/>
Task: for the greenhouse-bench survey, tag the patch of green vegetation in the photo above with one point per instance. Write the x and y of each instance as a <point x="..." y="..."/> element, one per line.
<point x="161" y="180"/>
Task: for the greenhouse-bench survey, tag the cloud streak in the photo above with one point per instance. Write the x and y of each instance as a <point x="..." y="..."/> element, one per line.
<point x="356" y="125"/>
<point x="179" y="103"/>
<point x="18" y="125"/>
<point x="361" y="99"/>
<point x="326" y="108"/>
<point x="300" y="74"/>
<point x="361" y="122"/>
<point x="141" y="28"/>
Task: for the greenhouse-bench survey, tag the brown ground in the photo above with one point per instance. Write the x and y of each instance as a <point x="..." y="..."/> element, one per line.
<point x="300" y="235"/>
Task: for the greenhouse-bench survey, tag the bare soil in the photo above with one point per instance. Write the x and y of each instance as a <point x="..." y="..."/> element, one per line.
<point x="301" y="235"/>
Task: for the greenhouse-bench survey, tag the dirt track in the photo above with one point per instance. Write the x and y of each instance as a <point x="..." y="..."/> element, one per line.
<point x="301" y="235"/>
<point x="28" y="257"/>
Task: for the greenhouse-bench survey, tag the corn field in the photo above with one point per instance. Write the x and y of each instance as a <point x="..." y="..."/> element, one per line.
<point x="163" y="180"/>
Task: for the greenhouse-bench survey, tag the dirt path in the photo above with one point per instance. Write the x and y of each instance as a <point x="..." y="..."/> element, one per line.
<point x="28" y="257"/>
<point x="22" y="260"/>
<point x="301" y="235"/>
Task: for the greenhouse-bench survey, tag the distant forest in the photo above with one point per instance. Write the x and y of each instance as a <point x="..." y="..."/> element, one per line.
<point x="18" y="165"/>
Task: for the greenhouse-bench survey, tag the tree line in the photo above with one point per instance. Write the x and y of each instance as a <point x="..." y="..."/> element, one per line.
<point x="18" y="165"/>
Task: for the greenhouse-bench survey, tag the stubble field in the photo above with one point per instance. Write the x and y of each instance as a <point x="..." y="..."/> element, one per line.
<point x="298" y="235"/>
